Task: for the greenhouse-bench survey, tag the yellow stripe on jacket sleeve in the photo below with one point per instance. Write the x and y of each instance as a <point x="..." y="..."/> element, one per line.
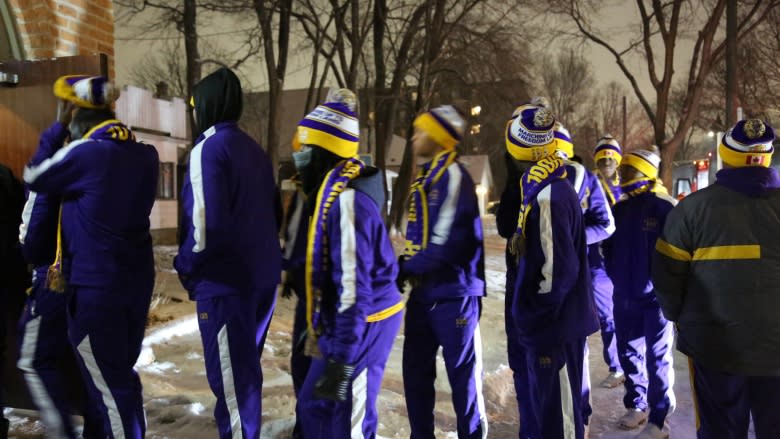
<point x="671" y="251"/>
<point x="725" y="252"/>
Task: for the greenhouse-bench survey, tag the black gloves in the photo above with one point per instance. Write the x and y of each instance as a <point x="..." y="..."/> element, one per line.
<point x="334" y="383"/>
<point x="517" y="246"/>
<point x="403" y="279"/>
<point x="400" y="281"/>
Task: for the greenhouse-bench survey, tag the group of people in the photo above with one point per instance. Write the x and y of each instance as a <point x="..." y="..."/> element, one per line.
<point x="585" y="251"/>
<point x="610" y="249"/>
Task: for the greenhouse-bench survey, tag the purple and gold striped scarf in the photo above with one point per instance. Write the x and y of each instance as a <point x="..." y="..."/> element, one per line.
<point x="544" y="172"/>
<point x="607" y="185"/>
<point x="541" y="174"/>
<point x="317" y="258"/>
<point x="417" y="228"/>
<point x="639" y="186"/>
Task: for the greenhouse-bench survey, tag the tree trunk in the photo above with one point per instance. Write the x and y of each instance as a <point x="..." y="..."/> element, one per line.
<point x="190" y="30"/>
<point x="431" y="50"/>
<point x="380" y="98"/>
<point x="314" y="75"/>
<point x="274" y="118"/>
<point x="276" y="67"/>
<point x="731" y="63"/>
<point x="668" y="153"/>
<point x="406" y="172"/>
<point x="402" y="185"/>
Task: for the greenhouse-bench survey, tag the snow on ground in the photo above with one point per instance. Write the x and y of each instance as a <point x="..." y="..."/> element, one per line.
<point x="179" y="403"/>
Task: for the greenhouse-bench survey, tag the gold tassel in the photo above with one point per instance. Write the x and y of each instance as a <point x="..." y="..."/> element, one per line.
<point x="55" y="279"/>
<point x="312" y="348"/>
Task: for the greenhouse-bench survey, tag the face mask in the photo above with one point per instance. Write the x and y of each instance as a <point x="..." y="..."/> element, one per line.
<point x="302" y="158"/>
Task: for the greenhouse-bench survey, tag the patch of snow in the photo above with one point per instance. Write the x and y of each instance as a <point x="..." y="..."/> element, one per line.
<point x="277" y="429"/>
<point x="500" y="369"/>
<point x="197" y="408"/>
<point x="161" y="368"/>
<point x="146" y="357"/>
<point x="284" y="379"/>
<point x="179" y="327"/>
<point x="23" y="423"/>
<point x="193" y="356"/>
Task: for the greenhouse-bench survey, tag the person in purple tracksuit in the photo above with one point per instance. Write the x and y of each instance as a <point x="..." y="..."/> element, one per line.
<point x="444" y="260"/>
<point x="353" y="305"/>
<point x="599" y="225"/>
<point x="107" y="183"/>
<point x="506" y="224"/>
<point x="229" y="259"/>
<point x="552" y="306"/>
<point x="644" y="336"/>
<point x="43" y="327"/>
<point x="294" y="230"/>
<point x="607" y="156"/>
<point x="717" y="272"/>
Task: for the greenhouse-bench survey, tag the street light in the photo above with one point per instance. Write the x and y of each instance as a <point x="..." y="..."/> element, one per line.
<point x="481" y="190"/>
<point x="476" y="110"/>
<point x="711" y="134"/>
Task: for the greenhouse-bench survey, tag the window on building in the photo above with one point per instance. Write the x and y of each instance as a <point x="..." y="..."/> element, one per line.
<point x="166" y="183"/>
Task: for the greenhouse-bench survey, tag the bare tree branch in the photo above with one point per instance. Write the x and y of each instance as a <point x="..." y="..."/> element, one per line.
<point x="578" y="20"/>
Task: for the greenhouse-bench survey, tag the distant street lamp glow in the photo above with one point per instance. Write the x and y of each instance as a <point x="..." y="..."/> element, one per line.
<point x="711" y="134"/>
<point x="481" y="190"/>
<point x="476" y="110"/>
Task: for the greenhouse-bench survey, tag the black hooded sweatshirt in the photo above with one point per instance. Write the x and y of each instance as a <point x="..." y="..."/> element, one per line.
<point x="218" y="98"/>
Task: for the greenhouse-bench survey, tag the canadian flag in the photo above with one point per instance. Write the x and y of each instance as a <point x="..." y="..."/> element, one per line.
<point x="755" y="160"/>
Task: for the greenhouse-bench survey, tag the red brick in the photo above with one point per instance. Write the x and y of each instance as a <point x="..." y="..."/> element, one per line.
<point x="39" y="41"/>
<point x="65" y="27"/>
<point x="67" y="10"/>
<point x="65" y="35"/>
<point x="108" y="49"/>
<point x="66" y="49"/>
<point x="78" y="4"/>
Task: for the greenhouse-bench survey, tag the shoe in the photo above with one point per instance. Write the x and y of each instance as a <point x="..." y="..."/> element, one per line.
<point x="651" y="431"/>
<point x="613" y="380"/>
<point x="632" y="419"/>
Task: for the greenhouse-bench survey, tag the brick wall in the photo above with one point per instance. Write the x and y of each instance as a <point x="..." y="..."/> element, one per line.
<point x="51" y="28"/>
